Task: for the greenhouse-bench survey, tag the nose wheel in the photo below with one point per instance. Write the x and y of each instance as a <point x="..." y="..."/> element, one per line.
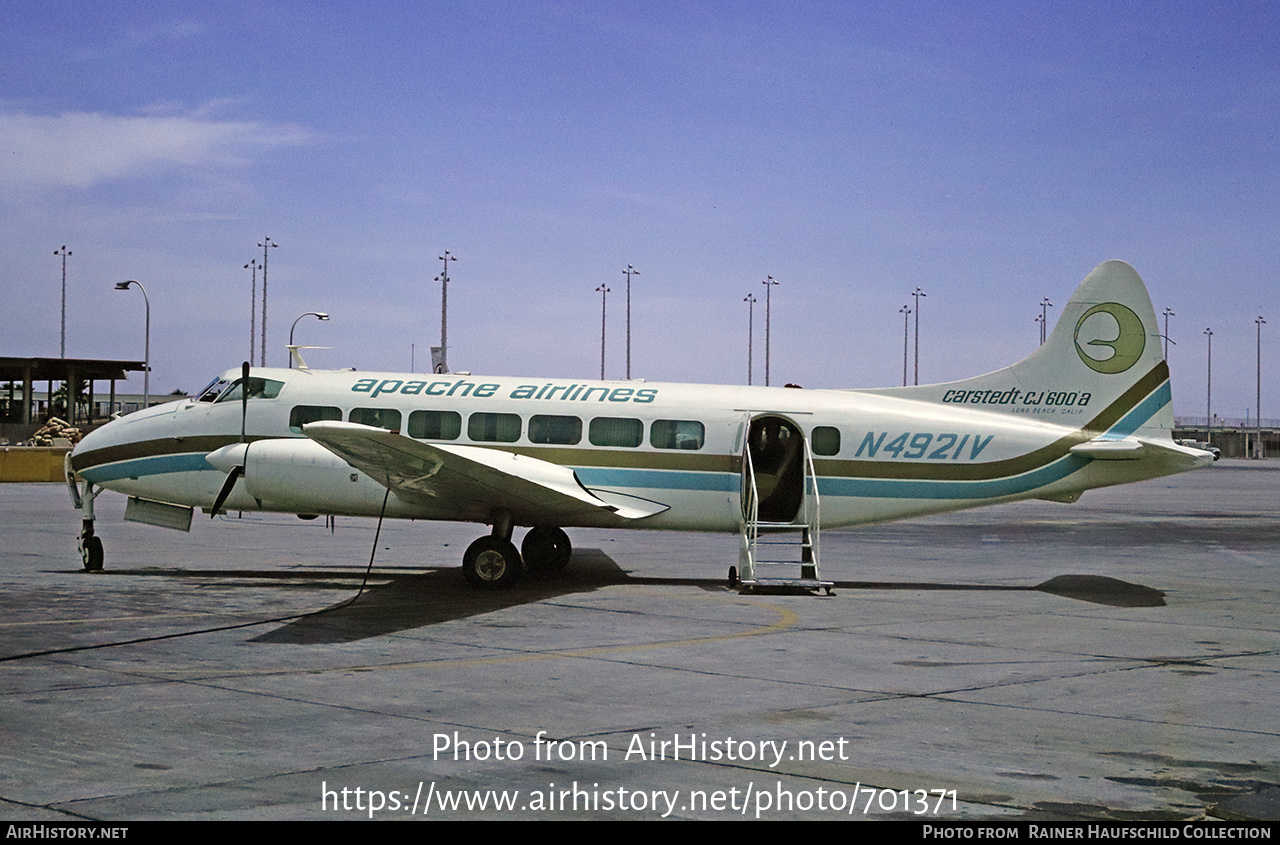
<point x="90" y="544"/>
<point x="91" y="552"/>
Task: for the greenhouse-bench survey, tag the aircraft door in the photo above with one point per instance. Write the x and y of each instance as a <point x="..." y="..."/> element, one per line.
<point x="776" y="447"/>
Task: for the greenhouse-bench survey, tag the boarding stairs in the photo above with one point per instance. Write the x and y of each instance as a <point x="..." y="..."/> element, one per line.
<point x="767" y="547"/>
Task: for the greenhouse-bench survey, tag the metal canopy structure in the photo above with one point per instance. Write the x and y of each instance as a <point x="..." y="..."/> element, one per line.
<point x="73" y="372"/>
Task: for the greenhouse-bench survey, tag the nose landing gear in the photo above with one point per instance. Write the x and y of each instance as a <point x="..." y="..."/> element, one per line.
<point x="90" y="545"/>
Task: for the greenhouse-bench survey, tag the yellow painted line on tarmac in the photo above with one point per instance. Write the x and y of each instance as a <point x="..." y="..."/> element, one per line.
<point x="784" y="618"/>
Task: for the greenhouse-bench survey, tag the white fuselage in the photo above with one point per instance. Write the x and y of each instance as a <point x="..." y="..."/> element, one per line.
<point x="876" y="457"/>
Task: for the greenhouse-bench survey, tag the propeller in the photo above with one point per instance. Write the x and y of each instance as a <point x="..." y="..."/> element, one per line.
<point x="231" y="459"/>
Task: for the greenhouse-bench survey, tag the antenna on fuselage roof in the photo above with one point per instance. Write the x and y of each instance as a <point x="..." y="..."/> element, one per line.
<point x="295" y="352"/>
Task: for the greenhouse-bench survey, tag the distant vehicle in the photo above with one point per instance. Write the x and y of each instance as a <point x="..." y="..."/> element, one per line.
<point x="1200" y="444"/>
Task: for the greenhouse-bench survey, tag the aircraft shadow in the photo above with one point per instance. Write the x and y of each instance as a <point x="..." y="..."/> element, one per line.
<point x="419" y="599"/>
<point x="402" y="601"/>
<point x="1096" y="589"/>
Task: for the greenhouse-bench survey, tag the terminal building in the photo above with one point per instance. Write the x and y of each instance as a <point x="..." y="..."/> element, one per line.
<point x="34" y="389"/>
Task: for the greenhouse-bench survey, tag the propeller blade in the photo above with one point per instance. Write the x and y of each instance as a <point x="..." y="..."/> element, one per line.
<point x="244" y="395"/>
<point x="227" y="485"/>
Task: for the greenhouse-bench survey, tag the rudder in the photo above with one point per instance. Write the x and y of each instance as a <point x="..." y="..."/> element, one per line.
<point x="1101" y="369"/>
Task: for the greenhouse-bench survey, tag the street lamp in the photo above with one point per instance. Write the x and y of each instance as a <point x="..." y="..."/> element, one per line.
<point x="266" y="244"/>
<point x="917" y="293"/>
<point x="253" y="304"/>
<point x="319" y="315"/>
<point x="1045" y="305"/>
<point x="750" y="299"/>
<point x="629" y="272"/>
<point x="443" y="365"/>
<point x="64" y="252"/>
<point x="1168" y="312"/>
<point x="604" y="296"/>
<point x="146" y="363"/>
<point x="906" y="316"/>
<point x="768" y="283"/>
<point x="1258" y="414"/>
<point x="1208" y="382"/>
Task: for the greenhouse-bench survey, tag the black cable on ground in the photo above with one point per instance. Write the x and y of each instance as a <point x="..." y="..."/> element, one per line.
<point x="368" y="569"/>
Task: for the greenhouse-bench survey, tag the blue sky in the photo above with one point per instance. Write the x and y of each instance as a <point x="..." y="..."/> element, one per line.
<point x="989" y="153"/>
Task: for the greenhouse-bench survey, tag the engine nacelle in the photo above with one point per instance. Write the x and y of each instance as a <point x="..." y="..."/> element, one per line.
<point x="297" y="475"/>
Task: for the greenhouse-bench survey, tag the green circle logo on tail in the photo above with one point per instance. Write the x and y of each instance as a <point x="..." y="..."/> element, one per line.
<point x="1126" y="346"/>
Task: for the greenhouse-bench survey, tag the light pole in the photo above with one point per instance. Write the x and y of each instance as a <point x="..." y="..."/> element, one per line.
<point x="917" y="294"/>
<point x="629" y="272"/>
<point x="905" y="311"/>
<point x="146" y="363"/>
<point x="1168" y="312"/>
<point x="443" y="279"/>
<point x="750" y="299"/>
<point x="1045" y="305"/>
<point x="253" y="304"/>
<point x="319" y="315"/>
<point x="768" y="283"/>
<point x="1258" y="409"/>
<point x="1208" y="382"/>
<point x="604" y="296"/>
<point x="64" y="252"/>
<point x="266" y="244"/>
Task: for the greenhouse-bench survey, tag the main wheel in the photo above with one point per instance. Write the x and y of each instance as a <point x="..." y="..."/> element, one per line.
<point x="546" y="549"/>
<point x="91" y="554"/>
<point x="491" y="563"/>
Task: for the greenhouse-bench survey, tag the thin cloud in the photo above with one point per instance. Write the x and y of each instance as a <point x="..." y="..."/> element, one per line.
<point x="82" y="149"/>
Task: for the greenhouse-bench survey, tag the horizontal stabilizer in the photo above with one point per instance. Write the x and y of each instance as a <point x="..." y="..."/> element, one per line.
<point x="1109" y="450"/>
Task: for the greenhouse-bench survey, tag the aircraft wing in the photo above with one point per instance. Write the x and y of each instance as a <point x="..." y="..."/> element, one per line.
<point x="472" y="480"/>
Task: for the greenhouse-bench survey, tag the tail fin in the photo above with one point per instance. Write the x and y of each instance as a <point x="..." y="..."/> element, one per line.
<point x="1101" y="370"/>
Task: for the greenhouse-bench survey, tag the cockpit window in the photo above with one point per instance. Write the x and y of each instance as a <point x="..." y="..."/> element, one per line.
<point x="259" y="388"/>
<point x="211" y="391"/>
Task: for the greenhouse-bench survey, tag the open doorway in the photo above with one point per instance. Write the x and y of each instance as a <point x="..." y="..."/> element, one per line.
<point x="777" y="456"/>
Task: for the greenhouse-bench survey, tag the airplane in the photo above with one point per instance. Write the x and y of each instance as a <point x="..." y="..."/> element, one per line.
<point x="1089" y="408"/>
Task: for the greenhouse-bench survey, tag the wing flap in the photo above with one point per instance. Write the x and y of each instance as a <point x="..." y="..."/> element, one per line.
<point x="474" y="480"/>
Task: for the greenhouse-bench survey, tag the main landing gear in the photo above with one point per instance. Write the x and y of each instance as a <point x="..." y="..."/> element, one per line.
<point x="493" y="563"/>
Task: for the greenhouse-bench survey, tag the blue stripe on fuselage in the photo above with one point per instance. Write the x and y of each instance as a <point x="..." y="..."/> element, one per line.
<point x="138" y="467"/>
<point x="658" y="479"/>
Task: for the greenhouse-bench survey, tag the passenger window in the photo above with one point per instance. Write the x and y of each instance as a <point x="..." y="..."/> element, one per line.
<point x="676" y="434"/>
<point x="616" y="431"/>
<point x="544" y="428"/>
<point x="825" y="440"/>
<point x="494" y="428"/>
<point x="388" y="418"/>
<point x="435" y="425"/>
<point x="300" y="415"/>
